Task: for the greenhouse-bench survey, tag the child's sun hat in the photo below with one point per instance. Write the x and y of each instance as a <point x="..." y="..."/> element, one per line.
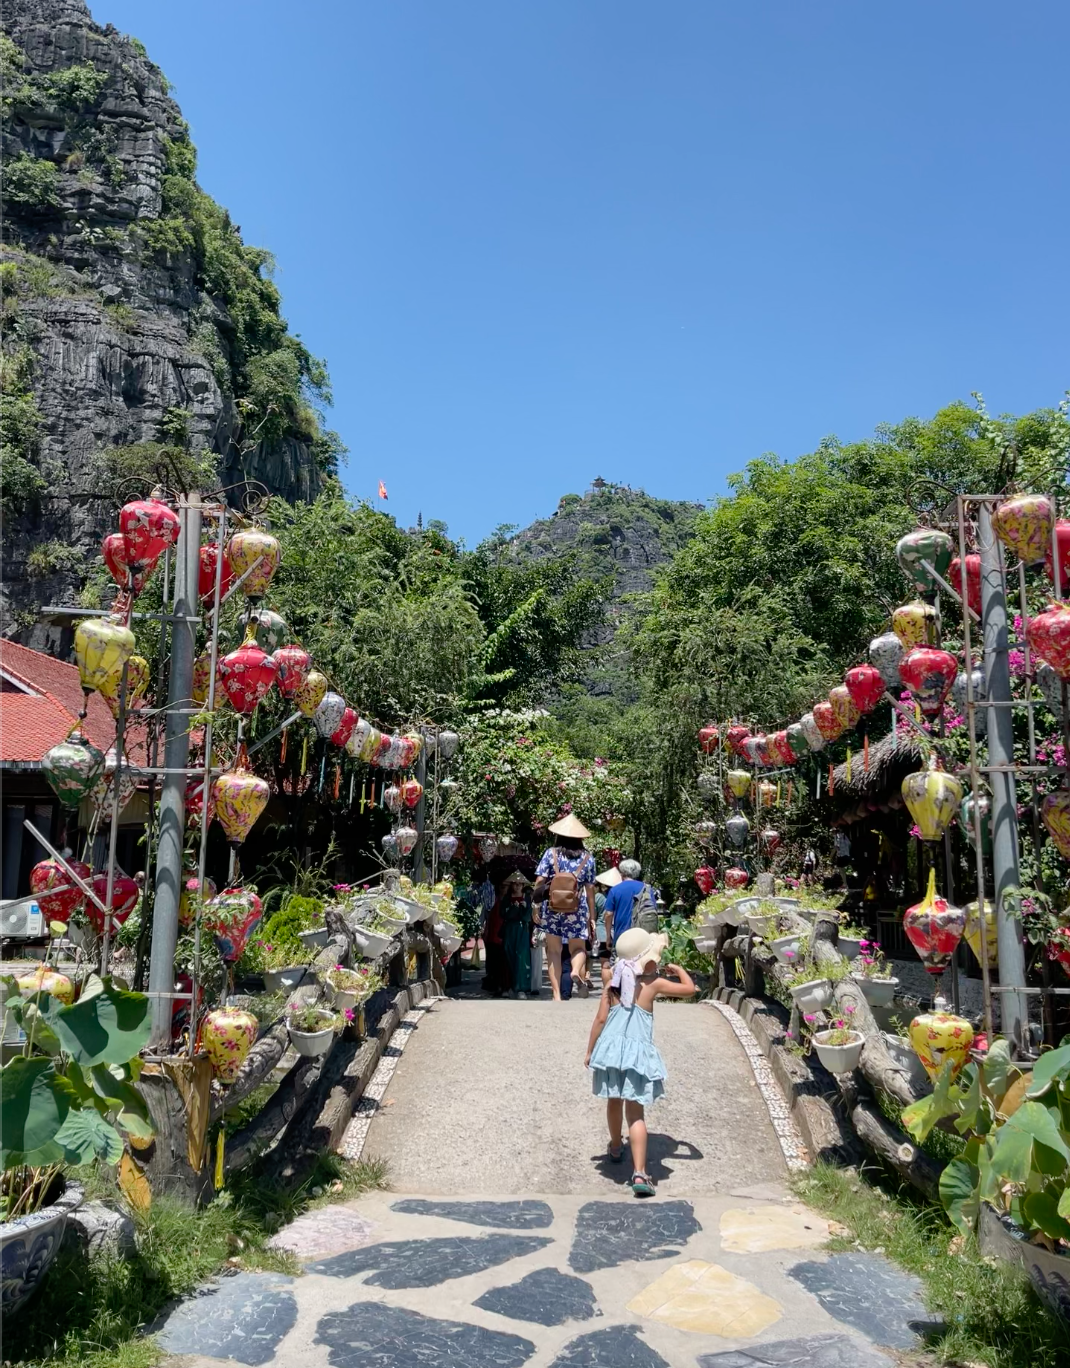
<point x="639" y="946"/>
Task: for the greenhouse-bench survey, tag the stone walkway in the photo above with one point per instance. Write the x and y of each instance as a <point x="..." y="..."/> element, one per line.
<point x="508" y="1239"/>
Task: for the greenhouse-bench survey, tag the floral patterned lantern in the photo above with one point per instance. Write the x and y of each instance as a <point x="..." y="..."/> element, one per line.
<point x="736" y="737"/>
<point x="101" y="649"/>
<point x="195" y="800"/>
<point x="704" y="829"/>
<point x="736" y="878"/>
<point x="406" y="837"/>
<point x="254" y="547"/>
<point x="973" y="933"/>
<point x="707" y="782"/>
<point x="1059" y="947"/>
<point x="247" y="674"/>
<point x="914" y="624"/>
<point x="933" y="797"/>
<point x="828" y="724"/>
<point x="230" y="917"/>
<point x="328" y="716"/>
<point x="704" y="876"/>
<point x="137" y="683"/>
<point x="885" y="653"/>
<point x="390" y="846"/>
<point x="187" y="899"/>
<point x="958" y="688"/>
<point x="415" y="741"/>
<point x="796" y="737"/>
<point x="227" y="1036"/>
<point x="865" y="685"/>
<point x="970" y="806"/>
<point x="924" y="544"/>
<point x="148" y="528"/>
<point x="411" y="792"/>
<point x="1062" y="541"/>
<point x="843" y="705"/>
<point x="446" y="848"/>
<point x="1050" y="686"/>
<point x="72" y="767"/>
<point x="294" y="663"/>
<point x="973" y="580"/>
<point x="934" y="928"/>
<point x="42" y="980"/>
<point x="707" y="739"/>
<point x="488" y="848"/>
<point x="769" y="840"/>
<point x="370" y="749"/>
<point x="240" y="797"/>
<point x="780" y="747"/>
<point x="124" y="896"/>
<point x="929" y="674"/>
<point x="737" y="828"/>
<point x="209" y="555"/>
<point x="815" y="737"/>
<point x="202" y="673"/>
<point x="310" y="694"/>
<point x="938" y="1037"/>
<point x="448" y="741"/>
<point x="739" y="782"/>
<point x="358" y="737"/>
<point x="270" y="628"/>
<point x="391" y="798"/>
<point x="1055" y="814"/>
<point x="390" y="754"/>
<point x="1025" y="523"/>
<point x="130" y="577"/>
<point x="1049" y="637"/>
<point x="62" y="904"/>
<point x="767" y="793"/>
<point x="344" y="730"/>
<point x="755" y="748"/>
<point x="101" y="795"/>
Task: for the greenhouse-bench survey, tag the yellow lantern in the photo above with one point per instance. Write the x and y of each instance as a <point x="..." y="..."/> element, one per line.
<point x="227" y="1036"/>
<point x="973" y="933"/>
<point x="101" y="649"/>
<point x="938" y="1037"/>
<point x="240" y="797"/>
<point x="47" y="981"/>
<point x="844" y="706"/>
<point x="247" y="548"/>
<point x="766" y="793"/>
<point x="739" y="782"/>
<point x="915" y="624"/>
<point x="933" y="798"/>
<point x="137" y="683"/>
<point x="311" y="693"/>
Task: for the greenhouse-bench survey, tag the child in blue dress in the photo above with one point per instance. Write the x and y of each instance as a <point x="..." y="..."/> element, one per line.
<point x="626" y="1068"/>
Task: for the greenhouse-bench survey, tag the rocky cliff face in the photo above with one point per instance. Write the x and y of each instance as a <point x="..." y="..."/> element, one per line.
<point x="140" y="333"/>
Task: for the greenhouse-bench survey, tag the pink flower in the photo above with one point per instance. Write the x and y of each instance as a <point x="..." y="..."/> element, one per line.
<point x="350" y="1014"/>
<point x="810" y="1017"/>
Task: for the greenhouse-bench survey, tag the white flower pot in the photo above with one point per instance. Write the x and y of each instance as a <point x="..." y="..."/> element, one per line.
<point x="878" y="992"/>
<point x="839" y="1058"/>
<point x="371" y="943"/>
<point x="396" y="924"/>
<point x="850" y="947"/>
<point x="812" y="997"/>
<point x="785" y="948"/>
<point x="311" y="1043"/>
<point x="316" y="937"/>
<point x="345" y="997"/>
<point x="284" y="980"/>
<point x="451" y="945"/>
<point x="902" y="1053"/>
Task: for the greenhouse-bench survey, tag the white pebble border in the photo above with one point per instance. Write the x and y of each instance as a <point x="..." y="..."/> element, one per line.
<point x="352" y="1146"/>
<point x="796" y="1155"/>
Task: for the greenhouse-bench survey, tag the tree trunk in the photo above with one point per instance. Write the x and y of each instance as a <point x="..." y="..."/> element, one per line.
<point x="177" y="1163"/>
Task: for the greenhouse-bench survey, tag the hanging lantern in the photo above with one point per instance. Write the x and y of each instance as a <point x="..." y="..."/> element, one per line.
<point x="973" y="933"/>
<point x="247" y="548"/>
<point x="973" y="581"/>
<point x="357" y="737"/>
<point x="815" y="737"/>
<point x="934" y="928"/>
<point x="1062" y="542"/>
<point x="769" y="840"/>
<point x="924" y="544"/>
<point x="294" y="664"/>
<point x="488" y="848"/>
<point x="797" y="740"/>
<point x="938" y="1037"/>
<point x="390" y="846"/>
<point x="50" y="874"/>
<point x="914" y="624"/>
<point x="828" y="724"/>
<point x="885" y="653"/>
<point x="72" y="767"/>
<point x="227" y="1036"/>
<point x="411" y="792"/>
<point x="929" y="674"/>
<point x="739" y="782"/>
<point x="843" y="705"/>
<point x="369" y="751"/>
<point x="202" y="670"/>
<point x="124" y="896"/>
<point x="932" y="796"/>
<point x="448" y="741"/>
<point x="42" y="980"/>
<point x="206" y="573"/>
<point x="1050" y="686"/>
<point x="195" y="800"/>
<point x="328" y="716"/>
<point x="130" y="577"/>
<point x="707" y="783"/>
<point x="240" y="797"/>
<point x="416" y="741"/>
<point x="707" y="739"/>
<point x="865" y="685"/>
<point x="737" y="829"/>
<point x="736" y="878"/>
<point x="391" y="799"/>
<point x="446" y="848"/>
<point x="966" y="816"/>
<point x="1024" y="523"/>
<point x="148" y="527"/>
<point x="247" y="674"/>
<point x="755" y="748"/>
<point x="958" y="688"/>
<point x="230" y="917"/>
<point x="344" y="730"/>
<point x="780" y="748"/>
<point x="392" y="753"/>
<point x="704" y="876"/>
<point x="101" y="649"/>
<point x="767" y="794"/>
<point x="736" y="737"/>
<point x="310" y="694"/>
<point x="101" y="795"/>
<point x="406" y="837"/>
<point x="187" y="900"/>
<point x="270" y="628"/>
<point x="1049" y="637"/>
<point x="704" y="830"/>
<point x="137" y="683"/>
<point x="1055" y="814"/>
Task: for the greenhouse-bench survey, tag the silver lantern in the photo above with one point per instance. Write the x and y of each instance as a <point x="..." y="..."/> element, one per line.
<point x="812" y="732"/>
<point x="958" y="688"/>
<point x="737" y="829"/>
<point x="448" y="741"/>
<point x="446" y="848"/>
<point x="885" y="653"/>
<point x="328" y="716"/>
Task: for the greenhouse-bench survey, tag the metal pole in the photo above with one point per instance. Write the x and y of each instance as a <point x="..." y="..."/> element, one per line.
<point x="113" y="835"/>
<point x="176" y="758"/>
<point x="421" y="815"/>
<point x="1014" y="1006"/>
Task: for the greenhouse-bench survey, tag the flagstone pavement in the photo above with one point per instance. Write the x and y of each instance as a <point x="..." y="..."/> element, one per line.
<point x="506" y="1237"/>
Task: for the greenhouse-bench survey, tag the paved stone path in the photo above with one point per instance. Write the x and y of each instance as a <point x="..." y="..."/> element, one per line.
<point x="508" y="1239"/>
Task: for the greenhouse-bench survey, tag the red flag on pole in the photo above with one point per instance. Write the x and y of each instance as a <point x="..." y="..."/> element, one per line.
<point x="382" y="491"/>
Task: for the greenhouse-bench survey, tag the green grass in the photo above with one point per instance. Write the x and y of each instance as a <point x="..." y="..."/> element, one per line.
<point x="92" y="1313"/>
<point x="991" y="1315"/>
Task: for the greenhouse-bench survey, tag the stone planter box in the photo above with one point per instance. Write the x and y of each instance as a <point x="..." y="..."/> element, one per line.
<point x="814" y="996"/>
<point x="29" y="1244"/>
<point x="311" y="1043"/>
<point x="878" y="992"/>
<point x="1049" y="1273"/>
<point x="839" y="1058"/>
<point x="284" y="980"/>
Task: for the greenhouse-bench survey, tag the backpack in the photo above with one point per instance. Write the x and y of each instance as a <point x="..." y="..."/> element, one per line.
<point x="645" y="910"/>
<point x="563" y="894"/>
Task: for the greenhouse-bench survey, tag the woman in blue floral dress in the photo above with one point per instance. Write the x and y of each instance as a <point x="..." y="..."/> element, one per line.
<point x="567" y="856"/>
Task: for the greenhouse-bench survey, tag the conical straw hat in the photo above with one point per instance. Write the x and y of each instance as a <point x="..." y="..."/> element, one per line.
<point x="570" y="826"/>
<point x="609" y="878"/>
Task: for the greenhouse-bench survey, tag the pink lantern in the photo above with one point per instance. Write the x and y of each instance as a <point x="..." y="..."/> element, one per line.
<point x="736" y="878"/>
<point x="247" y="674"/>
<point x="68" y="899"/>
<point x="843" y="705"/>
<point x="1062" y="541"/>
<point x="294" y="663"/>
<point x="1049" y="637"/>
<point x="769" y="839"/>
<point x="973" y="581"/>
<point x="736" y="737"/>
<point x="209" y="555"/>
<point x="344" y="730"/>
<point x="230" y="917"/>
<point x="934" y="928"/>
<point x="148" y="527"/>
<point x="129" y="576"/>
<point x="929" y="674"/>
<point x="124" y="896"/>
<point x="1024" y="523"/>
<point x="780" y="748"/>
<point x="865" y="684"/>
<point x="411" y="792"/>
<point x="704" y="877"/>
<point x="828" y="724"/>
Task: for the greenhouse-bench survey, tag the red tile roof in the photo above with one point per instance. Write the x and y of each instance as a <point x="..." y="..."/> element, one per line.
<point x="30" y="724"/>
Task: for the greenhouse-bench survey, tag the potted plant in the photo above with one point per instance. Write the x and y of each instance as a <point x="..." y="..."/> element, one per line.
<point x="871" y="974"/>
<point x="809" y="987"/>
<point x="850" y="939"/>
<point x="902" y="1053"/>
<point x="311" y="1029"/>
<point x="839" y="1046"/>
<point x="386" y="917"/>
<point x="352" y="986"/>
<point x="786" y="948"/>
<point x="281" y="974"/>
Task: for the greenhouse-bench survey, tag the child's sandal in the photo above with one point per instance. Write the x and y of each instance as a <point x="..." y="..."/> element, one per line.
<point x="616" y="1156"/>
<point x="641" y="1185"/>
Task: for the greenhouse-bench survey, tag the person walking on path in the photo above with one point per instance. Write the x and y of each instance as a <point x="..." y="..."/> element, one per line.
<point x="626" y="1068"/>
<point x="624" y="908"/>
<point x="565" y="888"/>
<point x="515" y="909"/>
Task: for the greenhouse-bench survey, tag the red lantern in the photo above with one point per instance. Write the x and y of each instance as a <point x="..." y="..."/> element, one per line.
<point x="294" y="663"/>
<point x="50" y="874"/>
<point x="828" y="724"/>
<point x="973" y="580"/>
<point x="130" y="576"/>
<point x="246" y="674"/>
<point x="195" y="800"/>
<point x="1049" y="637"/>
<point x="345" y="727"/>
<point x="757" y="749"/>
<point x="934" y="928"/>
<point x="1062" y="541"/>
<point x="865" y="684"/>
<point x="209" y="555"/>
<point x="737" y="736"/>
<point x="707" y="739"/>
<point x="149" y="527"/>
<point x="736" y="878"/>
<point x="769" y="839"/>
<point x="230" y="917"/>
<point x="124" y="896"/>
<point x="778" y="747"/>
<point x="411" y="792"/>
<point x="704" y="877"/>
<point x="929" y="674"/>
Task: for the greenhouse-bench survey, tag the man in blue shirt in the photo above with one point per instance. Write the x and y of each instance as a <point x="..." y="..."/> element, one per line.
<point x="619" y="900"/>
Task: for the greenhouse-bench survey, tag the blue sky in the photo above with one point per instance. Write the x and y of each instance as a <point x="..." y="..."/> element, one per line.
<point x="541" y="240"/>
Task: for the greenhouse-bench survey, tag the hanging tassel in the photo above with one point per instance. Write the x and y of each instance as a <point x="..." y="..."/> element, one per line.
<point x="817" y="785"/>
<point x="337" y="782"/>
<point x="323" y="773"/>
<point x="352" y="785"/>
<point x="282" y="747"/>
<point x="219" y="1161"/>
<point x="304" y="758"/>
<point x="865" y="753"/>
<point x="848" y="766"/>
<point x="778" y="784"/>
<point x="371" y="795"/>
<point x="832" y="781"/>
<point x="363" y="795"/>
<point x="917" y="712"/>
